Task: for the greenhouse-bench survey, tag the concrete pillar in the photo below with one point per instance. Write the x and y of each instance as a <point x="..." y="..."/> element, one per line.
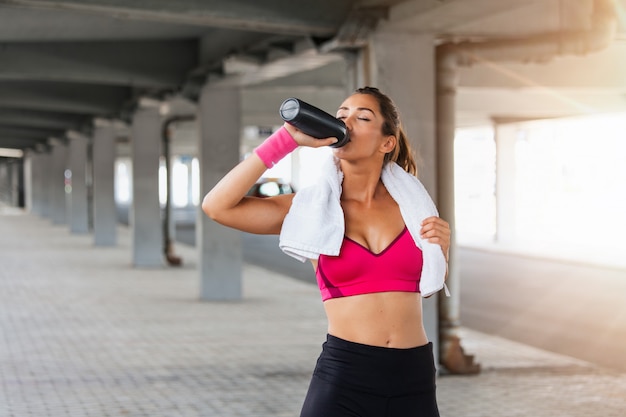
<point x="402" y="66"/>
<point x="450" y="309"/>
<point x="452" y="355"/>
<point x="190" y="181"/>
<point x="5" y="181"/>
<point x="145" y="216"/>
<point x="17" y="182"/>
<point x="58" y="165"/>
<point x="104" y="215"/>
<point x="220" y="248"/>
<point x="28" y="180"/>
<point x="78" y="206"/>
<point x="42" y="180"/>
<point x="505" y="184"/>
<point x="33" y="182"/>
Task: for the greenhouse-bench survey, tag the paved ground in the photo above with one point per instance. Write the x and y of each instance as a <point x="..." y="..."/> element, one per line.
<point x="573" y="309"/>
<point x="85" y="334"/>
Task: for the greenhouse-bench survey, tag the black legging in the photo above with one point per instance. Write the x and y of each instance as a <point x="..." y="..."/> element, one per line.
<point x="356" y="380"/>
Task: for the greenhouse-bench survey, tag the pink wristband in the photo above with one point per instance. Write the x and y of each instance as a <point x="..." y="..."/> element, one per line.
<point x="278" y="145"/>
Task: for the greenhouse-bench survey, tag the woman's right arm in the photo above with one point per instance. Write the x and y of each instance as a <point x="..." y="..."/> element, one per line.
<point x="228" y="204"/>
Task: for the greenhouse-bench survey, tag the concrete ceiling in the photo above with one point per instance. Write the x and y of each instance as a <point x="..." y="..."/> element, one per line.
<point x="64" y="63"/>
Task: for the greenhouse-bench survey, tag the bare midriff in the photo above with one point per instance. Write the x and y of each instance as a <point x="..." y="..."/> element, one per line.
<point x="387" y="319"/>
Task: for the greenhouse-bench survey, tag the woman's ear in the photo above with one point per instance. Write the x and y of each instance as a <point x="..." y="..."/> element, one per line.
<point x="389" y="144"/>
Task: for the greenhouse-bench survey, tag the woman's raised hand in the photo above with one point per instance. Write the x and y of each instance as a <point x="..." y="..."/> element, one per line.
<point x="303" y="139"/>
<point x="437" y="230"/>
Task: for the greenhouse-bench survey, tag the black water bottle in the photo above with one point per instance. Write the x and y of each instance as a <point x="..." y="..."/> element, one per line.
<point x="313" y="121"/>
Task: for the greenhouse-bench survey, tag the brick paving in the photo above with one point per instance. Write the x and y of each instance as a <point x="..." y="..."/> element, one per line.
<point x="85" y="334"/>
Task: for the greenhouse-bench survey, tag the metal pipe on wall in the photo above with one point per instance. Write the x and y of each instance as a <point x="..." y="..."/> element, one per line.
<point x="168" y="244"/>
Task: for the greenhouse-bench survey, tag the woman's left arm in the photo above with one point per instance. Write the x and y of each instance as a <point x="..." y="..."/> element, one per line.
<point x="437" y="230"/>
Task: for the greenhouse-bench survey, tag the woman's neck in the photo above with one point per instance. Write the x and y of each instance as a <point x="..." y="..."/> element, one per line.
<point x="361" y="183"/>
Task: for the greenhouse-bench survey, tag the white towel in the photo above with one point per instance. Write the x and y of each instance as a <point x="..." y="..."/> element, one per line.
<point x="315" y="223"/>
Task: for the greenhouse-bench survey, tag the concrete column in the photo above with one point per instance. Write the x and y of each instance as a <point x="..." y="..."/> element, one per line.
<point x="145" y="216"/>
<point x="356" y="70"/>
<point x="78" y="208"/>
<point x="43" y="181"/>
<point x="5" y="181"/>
<point x="403" y="66"/>
<point x="48" y="184"/>
<point x="57" y="182"/>
<point x="505" y="184"/>
<point x="17" y="182"/>
<point x="104" y="215"/>
<point x="450" y="309"/>
<point x="33" y="182"/>
<point x="28" y="180"/>
<point x="220" y="249"/>
<point x="452" y="355"/>
<point x="190" y="183"/>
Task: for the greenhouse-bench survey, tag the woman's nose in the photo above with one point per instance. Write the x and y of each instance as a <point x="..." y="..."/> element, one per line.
<point x="348" y="121"/>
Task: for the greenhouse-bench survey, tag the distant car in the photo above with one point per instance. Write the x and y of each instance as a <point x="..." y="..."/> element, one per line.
<point x="270" y="187"/>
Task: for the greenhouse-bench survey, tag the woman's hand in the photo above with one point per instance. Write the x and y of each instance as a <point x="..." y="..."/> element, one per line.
<point x="436" y="230"/>
<point x="303" y="139"/>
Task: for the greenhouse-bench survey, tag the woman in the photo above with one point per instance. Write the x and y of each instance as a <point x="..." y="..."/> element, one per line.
<point x="377" y="360"/>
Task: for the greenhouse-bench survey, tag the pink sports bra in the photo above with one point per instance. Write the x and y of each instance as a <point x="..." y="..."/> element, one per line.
<point x="357" y="270"/>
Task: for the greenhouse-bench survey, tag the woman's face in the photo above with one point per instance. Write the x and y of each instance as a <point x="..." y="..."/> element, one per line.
<point x="361" y="114"/>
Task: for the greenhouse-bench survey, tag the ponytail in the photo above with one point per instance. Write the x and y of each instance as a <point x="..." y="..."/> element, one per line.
<point x="402" y="154"/>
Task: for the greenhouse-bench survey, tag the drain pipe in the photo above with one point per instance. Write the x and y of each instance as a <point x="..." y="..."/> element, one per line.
<point x="449" y="57"/>
<point x="168" y="245"/>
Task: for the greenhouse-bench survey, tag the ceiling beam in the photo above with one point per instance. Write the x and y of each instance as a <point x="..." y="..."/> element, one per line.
<point x="269" y="16"/>
<point x="17" y="137"/>
<point x="141" y="64"/>
<point x="601" y="70"/>
<point x="282" y="67"/>
<point x="476" y="105"/>
<point x="41" y="119"/>
<point x="63" y="97"/>
<point x="12" y="143"/>
<point x="18" y="132"/>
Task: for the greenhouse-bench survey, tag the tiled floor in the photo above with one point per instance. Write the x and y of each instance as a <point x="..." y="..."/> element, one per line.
<point x="85" y="334"/>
